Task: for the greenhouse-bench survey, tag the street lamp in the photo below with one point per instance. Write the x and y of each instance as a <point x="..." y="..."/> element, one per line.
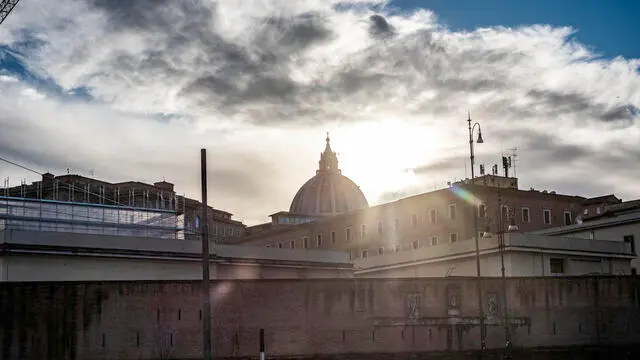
<point x="475" y="228"/>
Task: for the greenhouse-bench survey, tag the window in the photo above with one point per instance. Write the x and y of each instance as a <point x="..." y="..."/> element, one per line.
<point x="396" y="248"/>
<point x="319" y="240"/>
<point x="526" y="216"/>
<point x="292" y="244"/>
<point x="305" y="241"/>
<point x="414" y="220"/>
<point x="380" y="251"/>
<point x="415" y="244"/>
<point x="567" y="217"/>
<point x="347" y="234"/>
<point x="505" y="212"/>
<point x="379" y="227"/>
<point x="333" y="237"/>
<point x="629" y="239"/>
<point x="396" y="224"/>
<point x="482" y="210"/>
<point x="433" y="216"/>
<point x="280" y="245"/>
<point x="364" y="253"/>
<point x="363" y="231"/>
<point x="546" y="217"/>
<point x="585" y="212"/>
<point x="598" y="210"/>
<point x="556" y="266"/>
<point x="452" y="211"/>
<point x="453" y="237"/>
<point x="434" y="240"/>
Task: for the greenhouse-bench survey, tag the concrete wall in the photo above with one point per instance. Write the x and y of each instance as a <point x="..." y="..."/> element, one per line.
<point x="153" y="320"/>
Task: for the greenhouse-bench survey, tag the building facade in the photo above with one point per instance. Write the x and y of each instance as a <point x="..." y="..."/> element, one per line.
<point x="615" y="223"/>
<point x="444" y="216"/>
<point x="130" y="194"/>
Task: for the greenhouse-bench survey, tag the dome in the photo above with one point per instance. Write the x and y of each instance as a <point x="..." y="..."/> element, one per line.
<point x="328" y="192"/>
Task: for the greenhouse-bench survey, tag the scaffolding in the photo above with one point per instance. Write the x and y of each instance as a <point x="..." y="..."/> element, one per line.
<point x="87" y="218"/>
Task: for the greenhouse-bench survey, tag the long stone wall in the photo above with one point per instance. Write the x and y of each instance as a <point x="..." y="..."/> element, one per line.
<point x="157" y="320"/>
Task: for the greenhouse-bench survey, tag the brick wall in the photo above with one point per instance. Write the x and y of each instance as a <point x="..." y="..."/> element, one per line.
<point x="155" y="320"/>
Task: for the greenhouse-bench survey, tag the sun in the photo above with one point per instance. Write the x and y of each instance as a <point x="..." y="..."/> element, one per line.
<point x="380" y="156"/>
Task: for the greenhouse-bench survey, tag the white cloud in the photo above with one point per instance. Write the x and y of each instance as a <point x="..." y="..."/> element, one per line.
<point x="258" y="83"/>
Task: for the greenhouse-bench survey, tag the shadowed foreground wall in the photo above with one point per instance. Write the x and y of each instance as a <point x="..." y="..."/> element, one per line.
<point x="155" y="320"/>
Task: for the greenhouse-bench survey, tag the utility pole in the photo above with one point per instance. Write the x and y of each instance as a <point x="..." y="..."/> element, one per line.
<point x="206" y="293"/>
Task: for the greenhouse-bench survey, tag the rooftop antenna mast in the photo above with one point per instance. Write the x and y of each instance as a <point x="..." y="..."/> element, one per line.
<point x="514" y="155"/>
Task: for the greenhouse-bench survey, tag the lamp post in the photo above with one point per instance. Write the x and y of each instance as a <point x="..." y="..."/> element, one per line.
<point x="475" y="228"/>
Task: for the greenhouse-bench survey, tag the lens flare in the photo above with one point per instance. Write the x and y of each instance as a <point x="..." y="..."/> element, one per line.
<point x="465" y="195"/>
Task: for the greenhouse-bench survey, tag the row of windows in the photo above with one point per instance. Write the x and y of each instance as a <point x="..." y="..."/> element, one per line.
<point x="526" y="214"/>
<point x="433" y="240"/>
<point x="416" y="244"/>
<point x="433" y="218"/>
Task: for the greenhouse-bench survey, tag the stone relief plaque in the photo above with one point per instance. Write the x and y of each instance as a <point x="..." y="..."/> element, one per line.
<point x="492" y="304"/>
<point x="413" y="306"/>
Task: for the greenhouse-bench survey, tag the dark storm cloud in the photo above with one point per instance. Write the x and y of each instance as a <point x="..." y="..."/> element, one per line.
<point x="379" y="27"/>
<point x="557" y="103"/>
<point x="239" y="77"/>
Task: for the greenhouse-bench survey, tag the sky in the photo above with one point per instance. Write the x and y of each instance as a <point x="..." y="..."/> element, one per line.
<point x="131" y="90"/>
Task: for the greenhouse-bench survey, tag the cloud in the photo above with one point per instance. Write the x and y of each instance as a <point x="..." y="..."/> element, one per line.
<point x="137" y="87"/>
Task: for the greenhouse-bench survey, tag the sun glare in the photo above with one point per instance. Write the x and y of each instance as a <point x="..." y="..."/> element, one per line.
<point x="380" y="156"/>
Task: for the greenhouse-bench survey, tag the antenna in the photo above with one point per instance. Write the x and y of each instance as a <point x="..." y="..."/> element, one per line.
<point x="514" y="155"/>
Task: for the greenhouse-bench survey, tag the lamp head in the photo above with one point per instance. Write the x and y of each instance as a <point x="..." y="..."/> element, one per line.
<point x="480" y="140"/>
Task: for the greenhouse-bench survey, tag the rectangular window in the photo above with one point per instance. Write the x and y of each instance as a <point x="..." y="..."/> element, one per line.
<point x="396" y="224"/>
<point x="305" y="241"/>
<point x="292" y="244"/>
<point x="567" y="217"/>
<point x="364" y="253"/>
<point x="433" y="216"/>
<point x="556" y="266"/>
<point x="333" y="237"/>
<point x="379" y="227"/>
<point x="414" y="220"/>
<point x="415" y="244"/>
<point x="598" y="210"/>
<point x="347" y="234"/>
<point x="452" y="211"/>
<point x="319" y="241"/>
<point x="546" y="217"/>
<point x="380" y="251"/>
<point x="434" y="240"/>
<point x="280" y="245"/>
<point x="453" y="237"/>
<point x="363" y="230"/>
<point x="505" y="212"/>
<point x="630" y="239"/>
<point x="396" y="248"/>
<point x="526" y="216"/>
<point x="482" y="210"/>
